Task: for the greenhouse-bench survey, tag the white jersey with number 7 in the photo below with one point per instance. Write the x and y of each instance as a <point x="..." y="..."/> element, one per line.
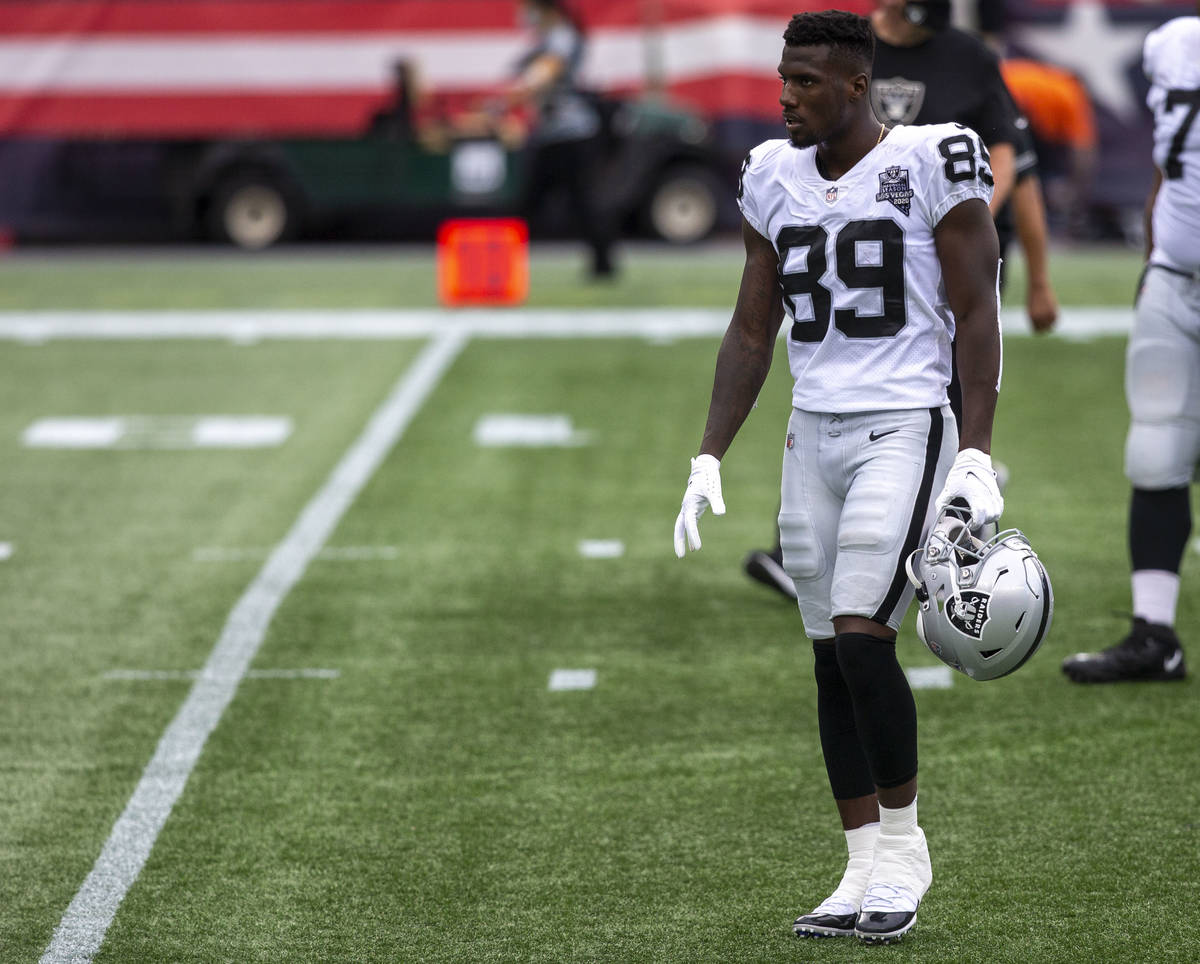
<point x="1172" y="64"/>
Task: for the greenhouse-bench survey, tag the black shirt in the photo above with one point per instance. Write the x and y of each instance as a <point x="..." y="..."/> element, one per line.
<point x="952" y="76"/>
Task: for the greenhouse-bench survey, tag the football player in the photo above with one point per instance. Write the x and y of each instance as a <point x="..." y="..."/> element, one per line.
<point x="1162" y="371"/>
<point x="927" y="72"/>
<point x="874" y="245"/>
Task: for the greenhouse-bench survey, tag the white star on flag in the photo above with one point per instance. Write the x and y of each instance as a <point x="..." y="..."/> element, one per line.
<point x="1098" y="50"/>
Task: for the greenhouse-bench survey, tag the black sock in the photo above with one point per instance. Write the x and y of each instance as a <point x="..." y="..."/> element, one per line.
<point x="1160" y="521"/>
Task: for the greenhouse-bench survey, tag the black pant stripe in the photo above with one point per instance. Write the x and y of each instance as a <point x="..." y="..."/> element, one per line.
<point x="933" y="448"/>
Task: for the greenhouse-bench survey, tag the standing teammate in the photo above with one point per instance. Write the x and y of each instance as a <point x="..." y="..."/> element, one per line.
<point x="1162" y="371"/>
<point x="881" y="245"/>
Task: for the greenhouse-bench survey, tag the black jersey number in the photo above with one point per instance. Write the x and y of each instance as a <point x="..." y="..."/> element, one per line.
<point x="1177" y="98"/>
<point x="868" y="254"/>
<point x="961" y="164"/>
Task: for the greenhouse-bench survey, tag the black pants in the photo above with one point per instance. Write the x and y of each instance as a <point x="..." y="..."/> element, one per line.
<point x="567" y="166"/>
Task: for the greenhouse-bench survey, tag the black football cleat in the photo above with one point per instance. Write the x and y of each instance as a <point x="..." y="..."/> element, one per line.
<point x="767" y="568"/>
<point x="879" y="927"/>
<point x="1150" y="652"/>
<point x="888" y="913"/>
<point x="899" y="879"/>
<point x="833" y="918"/>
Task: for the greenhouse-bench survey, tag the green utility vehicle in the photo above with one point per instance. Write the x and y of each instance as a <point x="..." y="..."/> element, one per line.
<point x="658" y="172"/>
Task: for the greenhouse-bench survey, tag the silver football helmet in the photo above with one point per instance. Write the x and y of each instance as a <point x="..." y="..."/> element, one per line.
<point x="985" y="606"/>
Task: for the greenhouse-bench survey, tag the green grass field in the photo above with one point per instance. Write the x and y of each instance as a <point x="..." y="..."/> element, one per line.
<point x="429" y="799"/>
<point x="404" y="277"/>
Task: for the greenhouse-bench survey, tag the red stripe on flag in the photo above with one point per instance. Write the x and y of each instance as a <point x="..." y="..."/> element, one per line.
<point x="754" y="96"/>
<point x="250" y="16"/>
<point x="56" y="17"/>
<point x="344" y="113"/>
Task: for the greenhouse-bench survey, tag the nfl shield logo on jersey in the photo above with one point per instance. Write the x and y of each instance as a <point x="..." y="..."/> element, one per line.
<point x="831" y="194"/>
<point x="894" y="188"/>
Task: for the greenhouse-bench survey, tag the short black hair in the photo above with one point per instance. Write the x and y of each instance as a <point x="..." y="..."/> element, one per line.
<point x="848" y="36"/>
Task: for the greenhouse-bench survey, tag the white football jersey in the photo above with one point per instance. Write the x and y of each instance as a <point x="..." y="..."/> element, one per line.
<point x="1171" y="59"/>
<point x="859" y="273"/>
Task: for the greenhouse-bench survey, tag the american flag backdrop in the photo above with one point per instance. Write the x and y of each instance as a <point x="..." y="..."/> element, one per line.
<point x="197" y="69"/>
<point x="268" y="67"/>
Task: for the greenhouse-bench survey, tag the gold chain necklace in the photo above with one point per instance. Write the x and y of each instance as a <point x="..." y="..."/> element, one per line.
<point x="880" y="138"/>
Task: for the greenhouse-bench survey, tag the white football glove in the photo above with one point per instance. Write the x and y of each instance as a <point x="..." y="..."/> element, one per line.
<point x="703" y="490"/>
<point x="971" y="479"/>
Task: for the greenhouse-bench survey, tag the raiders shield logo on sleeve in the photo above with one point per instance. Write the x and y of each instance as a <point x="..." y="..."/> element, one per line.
<point x="896" y="100"/>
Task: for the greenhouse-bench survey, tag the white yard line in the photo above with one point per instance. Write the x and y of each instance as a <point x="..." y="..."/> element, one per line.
<point x="87" y="919"/>
<point x="930" y="677"/>
<point x="571" y="679"/>
<point x="174" y="675"/>
<point x="601" y="548"/>
<point x="327" y="554"/>
<point x="249" y="327"/>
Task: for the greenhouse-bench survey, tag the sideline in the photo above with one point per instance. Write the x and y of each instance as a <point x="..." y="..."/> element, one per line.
<point x="248" y="327"/>
<point x="82" y="929"/>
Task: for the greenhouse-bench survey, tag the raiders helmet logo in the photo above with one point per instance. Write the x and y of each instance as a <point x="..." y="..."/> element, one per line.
<point x="896" y="100"/>
<point x="969" y="612"/>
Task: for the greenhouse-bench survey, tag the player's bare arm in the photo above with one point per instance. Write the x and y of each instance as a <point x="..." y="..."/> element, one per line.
<point x="969" y="253"/>
<point x="742" y="365"/>
<point x="1029" y="216"/>
<point x="749" y="343"/>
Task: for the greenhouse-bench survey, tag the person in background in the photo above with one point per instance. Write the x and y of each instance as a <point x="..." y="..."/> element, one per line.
<point x="1063" y="125"/>
<point x="928" y="72"/>
<point x="395" y="120"/>
<point x="1162" y="371"/>
<point x="568" y="126"/>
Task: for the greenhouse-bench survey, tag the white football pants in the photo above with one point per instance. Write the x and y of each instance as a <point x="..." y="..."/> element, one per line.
<point x="857" y="497"/>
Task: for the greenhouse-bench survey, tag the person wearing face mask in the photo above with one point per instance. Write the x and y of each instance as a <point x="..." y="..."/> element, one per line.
<point x="565" y="138"/>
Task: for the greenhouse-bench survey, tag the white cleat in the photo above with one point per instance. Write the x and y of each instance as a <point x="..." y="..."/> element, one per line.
<point x="900" y="877"/>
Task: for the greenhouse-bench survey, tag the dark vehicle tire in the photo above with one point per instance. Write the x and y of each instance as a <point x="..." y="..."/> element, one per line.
<point x="252" y="210"/>
<point x="684" y="205"/>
